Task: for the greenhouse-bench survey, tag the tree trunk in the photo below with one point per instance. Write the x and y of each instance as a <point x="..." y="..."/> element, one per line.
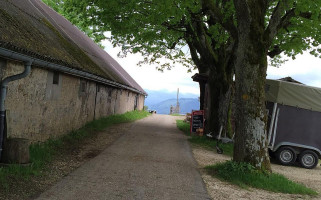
<point x="218" y="102"/>
<point x="251" y="140"/>
<point x="251" y="65"/>
<point x="224" y="106"/>
<point x="202" y="94"/>
<point x="212" y="105"/>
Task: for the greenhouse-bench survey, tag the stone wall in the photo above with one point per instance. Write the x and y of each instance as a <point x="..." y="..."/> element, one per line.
<point x="48" y="104"/>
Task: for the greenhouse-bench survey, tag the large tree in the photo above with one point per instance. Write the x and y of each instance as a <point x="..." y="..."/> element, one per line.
<point x="222" y="35"/>
<point x="165" y="29"/>
<point x="266" y="28"/>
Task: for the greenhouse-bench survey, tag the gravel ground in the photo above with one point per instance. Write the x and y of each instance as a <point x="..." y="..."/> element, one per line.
<point x="64" y="164"/>
<point x="152" y="160"/>
<point x="223" y="190"/>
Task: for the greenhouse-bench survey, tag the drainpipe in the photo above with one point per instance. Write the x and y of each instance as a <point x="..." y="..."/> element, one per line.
<point x="67" y="70"/>
<point x="3" y="93"/>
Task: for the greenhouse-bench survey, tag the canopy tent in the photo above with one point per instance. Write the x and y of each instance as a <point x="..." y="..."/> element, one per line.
<point x="293" y="94"/>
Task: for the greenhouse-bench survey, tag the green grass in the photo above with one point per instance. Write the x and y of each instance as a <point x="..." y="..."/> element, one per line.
<point x="202" y="140"/>
<point x="176" y="114"/>
<point x="42" y="153"/>
<point x="183" y="126"/>
<point x="245" y="175"/>
<point x="211" y="144"/>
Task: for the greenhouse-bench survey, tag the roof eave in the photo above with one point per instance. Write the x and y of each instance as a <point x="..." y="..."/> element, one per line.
<point x="64" y="69"/>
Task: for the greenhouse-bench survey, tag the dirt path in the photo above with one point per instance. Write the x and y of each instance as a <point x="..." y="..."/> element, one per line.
<point x="222" y="190"/>
<point x="152" y="160"/>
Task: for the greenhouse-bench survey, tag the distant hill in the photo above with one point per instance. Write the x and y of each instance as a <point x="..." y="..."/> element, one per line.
<point x="155" y="97"/>
<point x="186" y="105"/>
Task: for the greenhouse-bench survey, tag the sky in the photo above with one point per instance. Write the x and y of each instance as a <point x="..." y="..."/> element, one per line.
<point x="148" y="77"/>
<point x="305" y="68"/>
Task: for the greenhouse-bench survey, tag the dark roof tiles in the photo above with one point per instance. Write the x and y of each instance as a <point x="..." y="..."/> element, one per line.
<point x="31" y="27"/>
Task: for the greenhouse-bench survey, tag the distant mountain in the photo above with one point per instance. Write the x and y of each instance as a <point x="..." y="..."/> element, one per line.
<point x="155" y="97"/>
<point x="186" y="105"/>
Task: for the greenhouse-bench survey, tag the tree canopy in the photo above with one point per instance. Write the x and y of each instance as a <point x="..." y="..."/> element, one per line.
<point x="162" y="28"/>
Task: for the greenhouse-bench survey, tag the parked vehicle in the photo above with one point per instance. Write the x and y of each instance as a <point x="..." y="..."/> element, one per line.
<point x="294" y="122"/>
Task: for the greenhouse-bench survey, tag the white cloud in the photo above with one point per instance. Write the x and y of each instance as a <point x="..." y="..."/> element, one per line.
<point x="148" y="77"/>
<point x="305" y="68"/>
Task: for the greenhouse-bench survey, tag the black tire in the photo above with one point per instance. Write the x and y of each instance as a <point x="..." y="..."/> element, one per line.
<point x="308" y="159"/>
<point x="286" y="155"/>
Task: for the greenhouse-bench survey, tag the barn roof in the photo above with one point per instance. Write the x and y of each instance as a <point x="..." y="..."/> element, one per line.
<point x="32" y="28"/>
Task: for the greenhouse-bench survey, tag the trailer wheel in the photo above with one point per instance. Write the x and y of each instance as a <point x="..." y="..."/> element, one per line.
<point x="308" y="159"/>
<point x="286" y="155"/>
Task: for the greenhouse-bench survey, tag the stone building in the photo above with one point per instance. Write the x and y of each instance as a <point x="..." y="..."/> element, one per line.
<point x="65" y="79"/>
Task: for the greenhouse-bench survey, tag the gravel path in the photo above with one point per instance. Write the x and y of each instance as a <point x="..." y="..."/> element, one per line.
<point x="63" y="164"/>
<point x="223" y="190"/>
<point x="153" y="160"/>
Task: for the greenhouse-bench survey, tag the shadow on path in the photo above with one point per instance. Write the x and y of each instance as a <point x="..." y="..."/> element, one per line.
<point x="152" y="160"/>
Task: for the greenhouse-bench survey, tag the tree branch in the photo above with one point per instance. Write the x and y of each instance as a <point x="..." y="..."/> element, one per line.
<point x="180" y="27"/>
<point x="194" y="55"/>
<point x="174" y="43"/>
<point x="213" y="11"/>
<point x="242" y="14"/>
<point x="277" y="21"/>
<point x="276" y="51"/>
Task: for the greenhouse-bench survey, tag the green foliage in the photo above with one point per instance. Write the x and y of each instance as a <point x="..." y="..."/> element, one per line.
<point x="302" y="32"/>
<point x="245" y="175"/>
<point x="136" y="26"/>
<point x="42" y="154"/>
<point x="54" y="4"/>
<point x="161" y="28"/>
<point x="183" y="126"/>
<point x="202" y="141"/>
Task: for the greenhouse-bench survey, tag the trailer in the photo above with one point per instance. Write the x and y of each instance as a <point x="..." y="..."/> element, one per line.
<point x="294" y="122"/>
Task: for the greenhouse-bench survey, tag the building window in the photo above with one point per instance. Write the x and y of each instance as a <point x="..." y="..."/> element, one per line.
<point x="55" y="79"/>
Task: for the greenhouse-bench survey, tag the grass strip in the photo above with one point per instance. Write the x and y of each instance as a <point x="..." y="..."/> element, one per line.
<point x="42" y="153"/>
<point x="175" y="114"/>
<point x="183" y="126"/>
<point x="245" y="175"/>
<point x="211" y="144"/>
<point x="202" y="141"/>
